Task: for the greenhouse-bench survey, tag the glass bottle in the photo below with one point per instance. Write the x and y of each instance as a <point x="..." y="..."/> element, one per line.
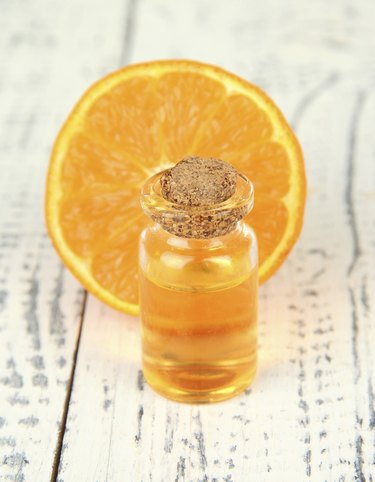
<point x="198" y="296"/>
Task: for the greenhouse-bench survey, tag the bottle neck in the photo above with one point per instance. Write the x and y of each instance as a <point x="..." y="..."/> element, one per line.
<point x="198" y="222"/>
<point x="199" y="243"/>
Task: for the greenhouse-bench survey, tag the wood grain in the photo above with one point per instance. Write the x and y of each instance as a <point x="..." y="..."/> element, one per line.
<point x="310" y="415"/>
<point x="49" y="52"/>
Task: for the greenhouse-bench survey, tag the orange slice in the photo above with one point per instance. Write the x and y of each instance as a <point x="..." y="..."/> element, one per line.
<point x="140" y="120"/>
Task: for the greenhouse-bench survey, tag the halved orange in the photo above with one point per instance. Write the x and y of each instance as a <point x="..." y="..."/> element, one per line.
<point x="142" y="119"/>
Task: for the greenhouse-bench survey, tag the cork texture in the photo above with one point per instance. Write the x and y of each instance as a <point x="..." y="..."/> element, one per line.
<point x="195" y="181"/>
<point x="200" y="225"/>
<point x="197" y="187"/>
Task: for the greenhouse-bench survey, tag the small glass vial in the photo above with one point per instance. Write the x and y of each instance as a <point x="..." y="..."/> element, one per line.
<point x="198" y="283"/>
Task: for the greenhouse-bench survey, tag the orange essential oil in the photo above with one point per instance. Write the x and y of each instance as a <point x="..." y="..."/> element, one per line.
<point x="198" y="282"/>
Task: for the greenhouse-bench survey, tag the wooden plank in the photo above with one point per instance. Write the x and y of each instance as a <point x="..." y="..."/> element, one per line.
<point x="49" y="52"/>
<point x="310" y="413"/>
<point x="360" y="202"/>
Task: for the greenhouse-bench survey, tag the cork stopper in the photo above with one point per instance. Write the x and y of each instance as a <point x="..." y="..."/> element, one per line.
<point x="198" y="198"/>
<point x="199" y="182"/>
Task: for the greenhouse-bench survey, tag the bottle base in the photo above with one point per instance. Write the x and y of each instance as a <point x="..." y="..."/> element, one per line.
<point x="199" y="384"/>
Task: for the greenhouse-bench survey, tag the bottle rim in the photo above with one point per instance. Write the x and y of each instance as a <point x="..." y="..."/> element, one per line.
<point x="197" y="221"/>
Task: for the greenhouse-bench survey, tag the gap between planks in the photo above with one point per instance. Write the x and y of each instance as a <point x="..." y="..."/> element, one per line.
<point x="69" y="390"/>
<point x="125" y="55"/>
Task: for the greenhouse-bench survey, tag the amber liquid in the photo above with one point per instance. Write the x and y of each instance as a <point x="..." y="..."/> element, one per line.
<point x="199" y="345"/>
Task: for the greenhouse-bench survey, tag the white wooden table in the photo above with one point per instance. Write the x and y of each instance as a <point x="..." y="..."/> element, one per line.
<point x="73" y="404"/>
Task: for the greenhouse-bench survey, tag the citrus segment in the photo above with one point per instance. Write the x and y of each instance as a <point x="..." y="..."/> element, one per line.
<point x="270" y="221"/>
<point x="90" y="165"/>
<point x="140" y="120"/>
<point x="181" y="121"/>
<point x="266" y="165"/>
<point x="237" y="124"/>
<point x="88" y="220"/>
<point x="125" y="117"/>
<point x="115" y="267"/>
